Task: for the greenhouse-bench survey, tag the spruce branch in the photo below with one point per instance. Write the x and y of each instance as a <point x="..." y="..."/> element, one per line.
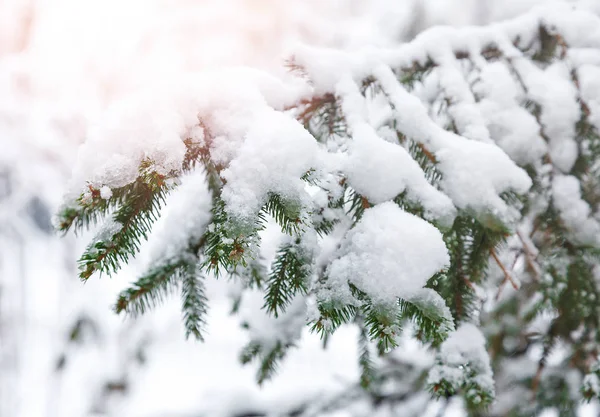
<point x="151" y="289"/>
<point x="193" y="303"/>
<point x="268" y="358"/>
<point x="289" y="276"/>
<point x="139" y="209"/>
<point x="380" y="320"/>
<point x="431" y="324"/>
<point x="331" y="317"/>
<point x="382" y="325"/>
<point x="286" y="213"/>
<point x="228" y="243"/>
<point x="88" y="209"/>
<point x="365" y="360"/>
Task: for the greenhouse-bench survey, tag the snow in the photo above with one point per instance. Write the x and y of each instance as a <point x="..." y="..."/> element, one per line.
<point x="135" y="91"/>
<point x="380" y="170"/>
<point x="429" y="300"/>
<point x="591" y="383"/>
<point x="559" y="108"/>
<point x="388" y="254"/>
<point x="152" y="124"/>
<point x="464" y="351"/>
<point x="512" y="127"/>
<point x="277" y="151"/>
<point x="461" y="108"/>
<point x="473" y="173"/>
<point x="108" y="230"/>
<point x="207" y="379"/>
<point x="579" y="27"/>
<point x="189" y="214"/>
<point x="267" y="330"/>
<point x="105" y="192"/>
<point x="573" y="211"/>
<point x="589" y="79"/>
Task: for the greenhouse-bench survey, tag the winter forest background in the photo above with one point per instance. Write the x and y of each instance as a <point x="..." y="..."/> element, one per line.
<point x="63" y="351"/>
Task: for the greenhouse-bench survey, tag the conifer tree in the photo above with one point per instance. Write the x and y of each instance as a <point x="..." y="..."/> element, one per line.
<point x="447" y="190"/>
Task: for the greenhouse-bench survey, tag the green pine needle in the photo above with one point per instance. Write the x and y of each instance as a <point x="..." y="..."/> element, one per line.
<point x="193" y="303"/>
<point x="138" y="211"/>
<point x="289" y="276"/>
<point x="151" y="289"/>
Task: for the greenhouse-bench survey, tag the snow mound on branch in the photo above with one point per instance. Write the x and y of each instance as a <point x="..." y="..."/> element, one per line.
<point x="476" y="172"/>
<point x="512" y="127"/>
<point x="277" y="151"/>
<point x="559" y="108"/>
<point x="151" y="124"/>
<point x="574" y="211"/>
<point x="380" y="170"/>
<point x="186" y="220"/>
<point x="464" y="358"/>
<point x="578" y="27"/>
<point x="589" y="77"/>
<point x="473" y="173"/>
<point x="388" y="254"/>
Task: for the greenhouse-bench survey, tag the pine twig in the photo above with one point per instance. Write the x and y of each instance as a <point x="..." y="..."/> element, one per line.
<point x="507" y="275"/>
<point x="535" y="383"/>
<point x="530" y="258"/>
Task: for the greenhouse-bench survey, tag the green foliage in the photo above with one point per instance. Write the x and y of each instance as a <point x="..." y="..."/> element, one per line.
<point x="289" y="276"/>
<point x="151" y="289"/>
<point x="382" y="325"/>
<point x="332" y="316"/>
<point x="227" y="243"/>
<point x="355" y="204"/>
<point x="268" y="358"/>
<point x="463" y="381"/>
<point x="193" y="304"/>
<point x="469" y="244"/>
<point x="231" y="243"/>
<point x="365" y="359"/>
<point x="322" y="117"/>
<point x="558" y="272"/>
<point x="131" y="222"/>
<point x="254" y="275"/>
<point x="286" y="213"/>
<point x="431" y="325"/>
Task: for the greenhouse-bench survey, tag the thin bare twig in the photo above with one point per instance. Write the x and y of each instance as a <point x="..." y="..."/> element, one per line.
<point x="507" y="275"/>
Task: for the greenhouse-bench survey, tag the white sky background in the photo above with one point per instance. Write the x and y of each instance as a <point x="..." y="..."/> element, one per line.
<point x="62" y="63"/>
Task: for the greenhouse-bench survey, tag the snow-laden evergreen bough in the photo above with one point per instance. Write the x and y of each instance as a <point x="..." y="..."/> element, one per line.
<point x="448" y="189"/>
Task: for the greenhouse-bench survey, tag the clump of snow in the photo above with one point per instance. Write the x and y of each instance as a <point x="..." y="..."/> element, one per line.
<point x="110" y="228"/>
<point x="462" y="108"/>
<point x="186" y="220"/>
<point x="511" y="126"/>
<point x="152" y="124"/>
<point x="559" y="108"/>
<point x="277" y="151"/>
<point x="589" y="79"/>
<point x="388" y="254"/>
<point x="473" y="173"/>
<point x="135" y="129"/>
<point x="380" y="170"/>
<point x="591" y="382"/>
<point x="105" y="192"/>
<point x="579" y="28"/>
<point x="464" y="352"/>
<point x="574" y="211"/>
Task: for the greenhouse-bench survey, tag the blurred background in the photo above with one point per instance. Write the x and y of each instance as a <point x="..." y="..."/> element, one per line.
<point x="63" y="352"/>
